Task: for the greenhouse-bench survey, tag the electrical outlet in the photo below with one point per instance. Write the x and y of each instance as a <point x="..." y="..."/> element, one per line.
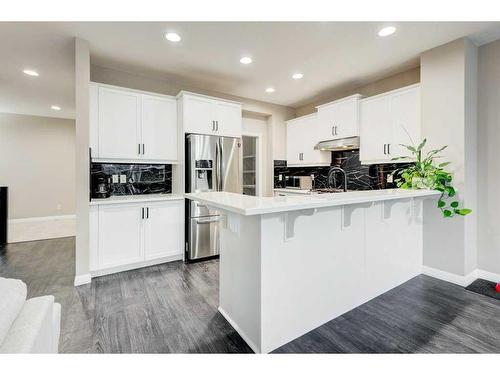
<point x="280" y="177"/>
<point x="123" y="179"/>
<point x="390" y="178"/>
<point x="116" y="179"/>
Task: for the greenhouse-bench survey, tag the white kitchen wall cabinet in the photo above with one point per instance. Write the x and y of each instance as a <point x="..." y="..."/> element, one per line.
<point x="131" y="235"/>
<point x="339" y="119"/>
<point x="119" y="127"/>
<point x="388" y="120"/>
<point x="301" y="137"/>
<point x="132" y="126"/>
<point x="212" y="116"/>
<point x="159" y="128"/>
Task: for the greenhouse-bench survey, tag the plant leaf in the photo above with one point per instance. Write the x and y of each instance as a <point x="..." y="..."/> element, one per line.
<point x="441" y="203"/>
<point x="446" y="213"/>
<point x="444" y="164"/>
<point x="450" y="190"/>
<point x="454" y="204"/>
<point x="421" y="145"/>
<point x="464" y="211"/>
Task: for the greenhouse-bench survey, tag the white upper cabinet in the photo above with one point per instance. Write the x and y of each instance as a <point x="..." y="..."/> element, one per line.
<point x="339" y="119"/>
<point x="128" y="125"/>
<point x="159" y="128"/>
<point x="388" y="120"/>
<point x="300" y="141"/>
<point x="119" y="124"/>
<point x="206" y="115"/>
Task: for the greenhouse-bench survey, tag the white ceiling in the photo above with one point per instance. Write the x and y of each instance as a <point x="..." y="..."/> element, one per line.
<point x="329" y="54"/>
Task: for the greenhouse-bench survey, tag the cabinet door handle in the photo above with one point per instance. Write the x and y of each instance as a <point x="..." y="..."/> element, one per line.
<point x="388" y="149"/>
<point x="213" y="125"/>
<point x="217" y="122"/>
<point x="143" y="149"/>
<point x="336" y="130"/>
<point x="385" y="149"/>
<point x="147" y="212"/>
<point x="142" y="212"/>
<point x="333" y="130"/>
<point x="139" y="149"/>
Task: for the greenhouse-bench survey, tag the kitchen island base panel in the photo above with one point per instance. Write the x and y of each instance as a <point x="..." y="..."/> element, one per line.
<point x="284" y="274"/>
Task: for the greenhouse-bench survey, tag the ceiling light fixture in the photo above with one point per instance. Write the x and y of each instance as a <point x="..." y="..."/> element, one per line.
<point x="270" y="90"/>
<point x="246" y="60"/>
<point x="55" y="108"/>
<point x="173" y="37"/>
<point x="386" y="31"/>
<point x="297" y="76"/>
<point x="30" y="72"/>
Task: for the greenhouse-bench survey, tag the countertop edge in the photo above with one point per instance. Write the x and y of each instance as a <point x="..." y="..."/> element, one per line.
<point x="136" y="199"/>
<point x="314" y="204"/>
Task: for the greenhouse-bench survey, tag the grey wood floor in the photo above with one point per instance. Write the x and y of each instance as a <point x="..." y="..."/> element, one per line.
<point x="172" y="308"/>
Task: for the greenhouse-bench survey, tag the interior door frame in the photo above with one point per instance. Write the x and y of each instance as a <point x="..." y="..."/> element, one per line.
<point x="258" y="159"/>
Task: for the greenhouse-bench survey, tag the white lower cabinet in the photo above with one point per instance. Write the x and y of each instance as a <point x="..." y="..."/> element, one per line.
<point x="132" y="235"/>
<point x="162" y="229"/>
<point x="120" y="229"/>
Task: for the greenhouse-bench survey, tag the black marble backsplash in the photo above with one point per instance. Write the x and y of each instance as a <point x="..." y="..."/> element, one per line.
<point x="359" y="177"/>
<point x="141" y="178"/>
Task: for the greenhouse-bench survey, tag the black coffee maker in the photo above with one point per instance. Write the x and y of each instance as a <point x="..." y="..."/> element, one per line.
<point x="100" y="186"/>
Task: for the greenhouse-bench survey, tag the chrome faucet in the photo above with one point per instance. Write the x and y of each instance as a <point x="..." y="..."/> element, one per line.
<point x="331" y="174"/>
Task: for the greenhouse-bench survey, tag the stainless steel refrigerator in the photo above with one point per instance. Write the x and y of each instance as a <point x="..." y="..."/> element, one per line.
<point x="213" y="163"/>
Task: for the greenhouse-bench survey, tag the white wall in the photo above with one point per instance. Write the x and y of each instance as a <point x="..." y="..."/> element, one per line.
<point x="489" y="158"/>
<point x="37" y="164"/>
<point x="82" y="79"/>
<point x="449" y="87"/>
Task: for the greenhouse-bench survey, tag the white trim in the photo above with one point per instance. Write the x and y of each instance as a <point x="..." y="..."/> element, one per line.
<point x="41" y="228"/>
<point x="487" y="275"/>
<point x="135" y="265"/>
<point x="462" y="280"/>
<point x="134" y="161"/>
<point x="249" y="342"/>
<point x="190" y="93"/>
<point x="314" y="114"/>
<point x="122" y="88"/>
<point x="82" y="279"/>
<point x="41" y="218"/>
<point x="326" y="105"/>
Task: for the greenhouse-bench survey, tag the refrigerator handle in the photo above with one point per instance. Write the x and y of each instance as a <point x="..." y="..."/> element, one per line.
<point x="219" y="165"/>
<point x="216" y="166"/>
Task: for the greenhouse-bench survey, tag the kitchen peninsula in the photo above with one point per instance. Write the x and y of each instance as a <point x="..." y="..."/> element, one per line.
<point x="290" y="264"/>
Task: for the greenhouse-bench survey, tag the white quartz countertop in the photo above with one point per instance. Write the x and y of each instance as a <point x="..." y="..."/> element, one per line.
<point x="294" y="191"/>
<point x="136" y="198"/>
<point x="250" y="205"/>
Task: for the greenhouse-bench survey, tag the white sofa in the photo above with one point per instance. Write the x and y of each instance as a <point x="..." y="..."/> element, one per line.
<point x="27" y="326"/>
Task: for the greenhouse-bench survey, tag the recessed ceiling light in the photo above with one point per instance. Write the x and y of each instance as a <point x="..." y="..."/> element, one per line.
<point x="55" y="108"/>
<point x="386" y="31"/>
<point x="270" y="89"/>
<point x="297" y="76"/>
<point x="173" y="37"/>
<point x="246" y="60"/>
<point x="30" y="72"/>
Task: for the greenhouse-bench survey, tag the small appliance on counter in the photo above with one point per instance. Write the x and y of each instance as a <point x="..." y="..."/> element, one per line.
<point x="101" y="186"/>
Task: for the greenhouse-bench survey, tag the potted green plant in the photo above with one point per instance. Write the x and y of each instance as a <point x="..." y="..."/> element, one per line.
<point x="425" y="173"/>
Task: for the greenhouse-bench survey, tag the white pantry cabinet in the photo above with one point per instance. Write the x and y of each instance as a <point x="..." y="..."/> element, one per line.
<point x="132" y="235"/>
<point x="206" y="115"/>
<point x="388" y="120"/>
<point x="339" y="119"/>
<point x="132" y="126"/>
<point x="300" y="141"/>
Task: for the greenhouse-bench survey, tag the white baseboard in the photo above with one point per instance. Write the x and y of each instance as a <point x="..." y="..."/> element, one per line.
<point x="459" y="279"/>
<point x="249" y="342"/>
<point x="490" y="276"/>
<point x="462" y="280"/>
<point x="41" y="228"/>
<point x="133" y="266"/>
<point x="82" y="279"/>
